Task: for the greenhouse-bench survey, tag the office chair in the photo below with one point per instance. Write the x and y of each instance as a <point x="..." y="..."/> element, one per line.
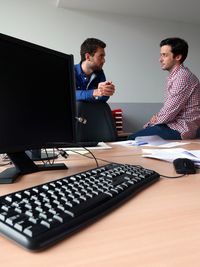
<point x="100" y="124"/>
<point x="198" y="133"/>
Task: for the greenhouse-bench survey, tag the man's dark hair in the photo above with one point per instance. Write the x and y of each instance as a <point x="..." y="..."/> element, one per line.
<point x="178" y="47"/>
<point x="90" y="46"/>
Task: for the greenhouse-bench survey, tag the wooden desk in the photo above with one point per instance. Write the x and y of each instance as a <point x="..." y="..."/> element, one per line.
<point x="159" y="227"/>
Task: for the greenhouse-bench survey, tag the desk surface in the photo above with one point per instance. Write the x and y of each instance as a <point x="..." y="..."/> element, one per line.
<point x="160" y="226"/>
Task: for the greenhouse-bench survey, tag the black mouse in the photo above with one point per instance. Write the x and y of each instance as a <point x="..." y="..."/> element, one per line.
<point x="184" y="166"/>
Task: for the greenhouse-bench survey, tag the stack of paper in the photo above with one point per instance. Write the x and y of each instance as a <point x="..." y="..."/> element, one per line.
<point x="172" y="154"/>
<point x="165" y="149"/>
<point x="153" y="140"/>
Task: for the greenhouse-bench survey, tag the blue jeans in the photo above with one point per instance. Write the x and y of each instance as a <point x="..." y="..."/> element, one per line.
<point x="161" y="130"/>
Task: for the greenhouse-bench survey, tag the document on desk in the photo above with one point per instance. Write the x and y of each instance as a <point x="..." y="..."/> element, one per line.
<point x="153" y="140"/>
<point x="101" y="145"/>
<point x="82" y="150"/>
<point x="172" y="154"/>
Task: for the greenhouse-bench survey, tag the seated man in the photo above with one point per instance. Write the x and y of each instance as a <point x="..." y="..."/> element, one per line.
<point x="91" y="84"/>
<point x="179" y="118"/>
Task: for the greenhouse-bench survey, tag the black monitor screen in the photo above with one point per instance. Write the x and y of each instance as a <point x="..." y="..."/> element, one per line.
<point x="37" y="98"/>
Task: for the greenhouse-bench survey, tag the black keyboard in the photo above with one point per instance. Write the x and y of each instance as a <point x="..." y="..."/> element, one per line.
<point x="42" y="215"/>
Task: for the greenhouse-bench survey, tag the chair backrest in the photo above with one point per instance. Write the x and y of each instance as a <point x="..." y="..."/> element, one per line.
<point x="100" y="125"/>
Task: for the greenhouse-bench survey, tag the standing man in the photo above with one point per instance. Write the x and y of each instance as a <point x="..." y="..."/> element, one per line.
<point x="91" y="84"/>
<point x="179" y="118"/>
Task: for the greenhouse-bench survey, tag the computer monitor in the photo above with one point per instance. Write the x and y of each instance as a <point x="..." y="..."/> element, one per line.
<point x="37" y="103"/>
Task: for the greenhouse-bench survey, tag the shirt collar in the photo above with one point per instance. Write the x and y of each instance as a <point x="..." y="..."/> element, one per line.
<point x="80" y="71"/>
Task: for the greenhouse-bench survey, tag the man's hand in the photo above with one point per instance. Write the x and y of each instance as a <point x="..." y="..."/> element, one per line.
<point x="152" y="121"/>
<point x="104" y="89"/>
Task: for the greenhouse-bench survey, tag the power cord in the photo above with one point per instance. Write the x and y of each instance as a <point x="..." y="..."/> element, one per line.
<point x="96" y="159"/>
<point x="4" y="160"/>
<point x="164" y="176"/>
<point x="65" y="155"/>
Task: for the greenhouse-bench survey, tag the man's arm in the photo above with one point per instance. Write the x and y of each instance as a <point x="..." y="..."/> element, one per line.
<point x="85" y="91"/>
<point x="87" y="95"/>
<point x="174" y="103"/>
<point x="102" y="93"/>
<point x="106" y="88"/>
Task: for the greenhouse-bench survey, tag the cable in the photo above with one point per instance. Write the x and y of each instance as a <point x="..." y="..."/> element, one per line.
<point x="4" y="164"/>
<point x="93" y="157"/>
<point x="48" y="159"/>
<point x="64" y="154"/>
<point x="4" y="157"/>
<point x="161" y="175"/>
<point x="108" y="161"/>
<point x="97" y="164"/>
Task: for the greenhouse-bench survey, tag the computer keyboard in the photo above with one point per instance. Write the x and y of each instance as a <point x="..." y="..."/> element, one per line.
<point x="40" y="216"/>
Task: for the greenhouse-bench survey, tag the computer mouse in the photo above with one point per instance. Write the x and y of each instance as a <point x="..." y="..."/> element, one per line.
<point x="184" y="166"/>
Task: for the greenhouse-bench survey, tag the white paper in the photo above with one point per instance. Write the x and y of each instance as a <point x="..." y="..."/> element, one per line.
<point x="172" y="154"/>
<point x="101" y="145"/>
<point x="153" y="140"/>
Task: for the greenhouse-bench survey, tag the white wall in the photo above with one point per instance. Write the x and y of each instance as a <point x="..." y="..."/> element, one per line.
<point x="132" y="42"/>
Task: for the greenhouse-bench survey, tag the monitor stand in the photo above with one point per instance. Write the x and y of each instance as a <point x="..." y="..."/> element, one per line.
<point x="38" y="155"/>
<point x="23" y="164"/>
